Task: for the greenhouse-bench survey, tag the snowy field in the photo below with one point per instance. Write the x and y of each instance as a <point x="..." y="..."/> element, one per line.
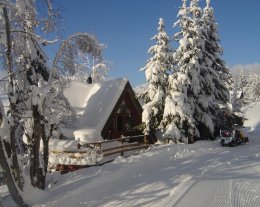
<point x="198" y="175"/>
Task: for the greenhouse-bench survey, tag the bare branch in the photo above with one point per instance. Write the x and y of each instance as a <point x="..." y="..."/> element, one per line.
<point x="82" y="42"/>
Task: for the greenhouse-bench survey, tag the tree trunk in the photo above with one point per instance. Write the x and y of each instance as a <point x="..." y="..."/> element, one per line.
<point x="45" y="160"/>
<point x="14" y="121"/>
<point x="46" y="149"/>
<point x="38" y="169"/>
<point x="13" y="190"/>
<point x="9" y="178"/>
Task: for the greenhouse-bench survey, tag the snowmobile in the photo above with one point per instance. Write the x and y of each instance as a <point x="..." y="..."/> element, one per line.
<point x="232" y="137"/>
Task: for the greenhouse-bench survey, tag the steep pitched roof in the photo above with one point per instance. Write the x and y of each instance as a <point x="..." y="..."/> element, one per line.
<point x="94" y="104"/>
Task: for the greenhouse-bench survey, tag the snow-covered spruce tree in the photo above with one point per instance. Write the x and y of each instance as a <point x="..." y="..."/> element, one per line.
<point x="236" y="95"/>
<point x="242" y="81"/>
<point x="251" y="88"/>
<point x="206" y="74"/>
<point x="221" y="79"/>
<point x="238" y="90"/>
<point x="156" y="72"/>
<point x="183" y="85"/>
<point x="201" y="73"/>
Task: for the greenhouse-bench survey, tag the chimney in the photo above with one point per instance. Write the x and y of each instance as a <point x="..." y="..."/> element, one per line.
<point x="89" y="80"/>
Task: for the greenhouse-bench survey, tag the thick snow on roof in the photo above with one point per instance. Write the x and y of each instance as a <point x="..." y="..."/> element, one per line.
<point x="94" y="104"/>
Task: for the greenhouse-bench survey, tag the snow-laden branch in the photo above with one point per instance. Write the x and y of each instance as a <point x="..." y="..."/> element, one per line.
<point x="37" y="38"/>
<point x="84" y="43"/>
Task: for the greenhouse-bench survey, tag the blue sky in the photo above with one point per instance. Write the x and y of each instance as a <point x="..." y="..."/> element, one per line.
<point x="126" y="27"/>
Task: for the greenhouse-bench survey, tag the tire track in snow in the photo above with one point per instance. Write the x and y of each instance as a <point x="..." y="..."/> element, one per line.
<point x="208" y="193"/>
<point x="246" y="193"/>
<point x="221" y="193"/>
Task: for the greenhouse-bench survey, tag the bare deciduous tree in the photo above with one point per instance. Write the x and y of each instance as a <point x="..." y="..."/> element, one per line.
<point x="80" y="56"/>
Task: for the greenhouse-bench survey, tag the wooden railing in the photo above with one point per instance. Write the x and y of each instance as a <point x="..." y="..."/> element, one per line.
<point x="125" y="144"/>
<point x="121" y="146"/>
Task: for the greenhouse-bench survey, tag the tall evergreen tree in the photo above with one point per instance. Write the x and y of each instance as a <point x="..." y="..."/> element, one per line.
<point x="236" y="98"/>
<point x="251" y="88"/>
<point x="200" y="88"/>
<point x="156" y="72"/>
<point x="178" y="121"/>
<point x="221" y="78"/>
<point x="242" y="81"/>
<point x="238" y="92"/>
<point x="202" y="114"/>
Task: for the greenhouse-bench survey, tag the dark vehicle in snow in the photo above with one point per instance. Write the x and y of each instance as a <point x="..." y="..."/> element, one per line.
<point x="232" y="137"/>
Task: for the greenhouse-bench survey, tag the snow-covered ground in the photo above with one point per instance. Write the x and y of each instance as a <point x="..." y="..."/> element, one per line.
<point x="197" y="175"/>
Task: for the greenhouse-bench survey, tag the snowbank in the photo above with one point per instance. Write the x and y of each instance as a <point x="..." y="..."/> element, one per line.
<point x="66" y="152"/>
<point x="63" y="145"/>
<point x="88" y="157"/>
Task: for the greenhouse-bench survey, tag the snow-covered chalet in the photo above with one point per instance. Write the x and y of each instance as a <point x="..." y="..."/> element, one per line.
<point x="104" y="110"/>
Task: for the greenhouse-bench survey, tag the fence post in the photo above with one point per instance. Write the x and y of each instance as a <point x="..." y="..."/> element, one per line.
<point x="145" y="140"/>
<point x="122" y="153"/>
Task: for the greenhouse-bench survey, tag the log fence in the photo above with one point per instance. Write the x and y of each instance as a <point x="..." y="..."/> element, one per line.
<point x="125" y="144"/>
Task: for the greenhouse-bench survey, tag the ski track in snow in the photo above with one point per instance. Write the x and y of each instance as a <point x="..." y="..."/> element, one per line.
<point x="239" y="189"/>
<point x="222" y="193"/>
<point x="231" y="179"/>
